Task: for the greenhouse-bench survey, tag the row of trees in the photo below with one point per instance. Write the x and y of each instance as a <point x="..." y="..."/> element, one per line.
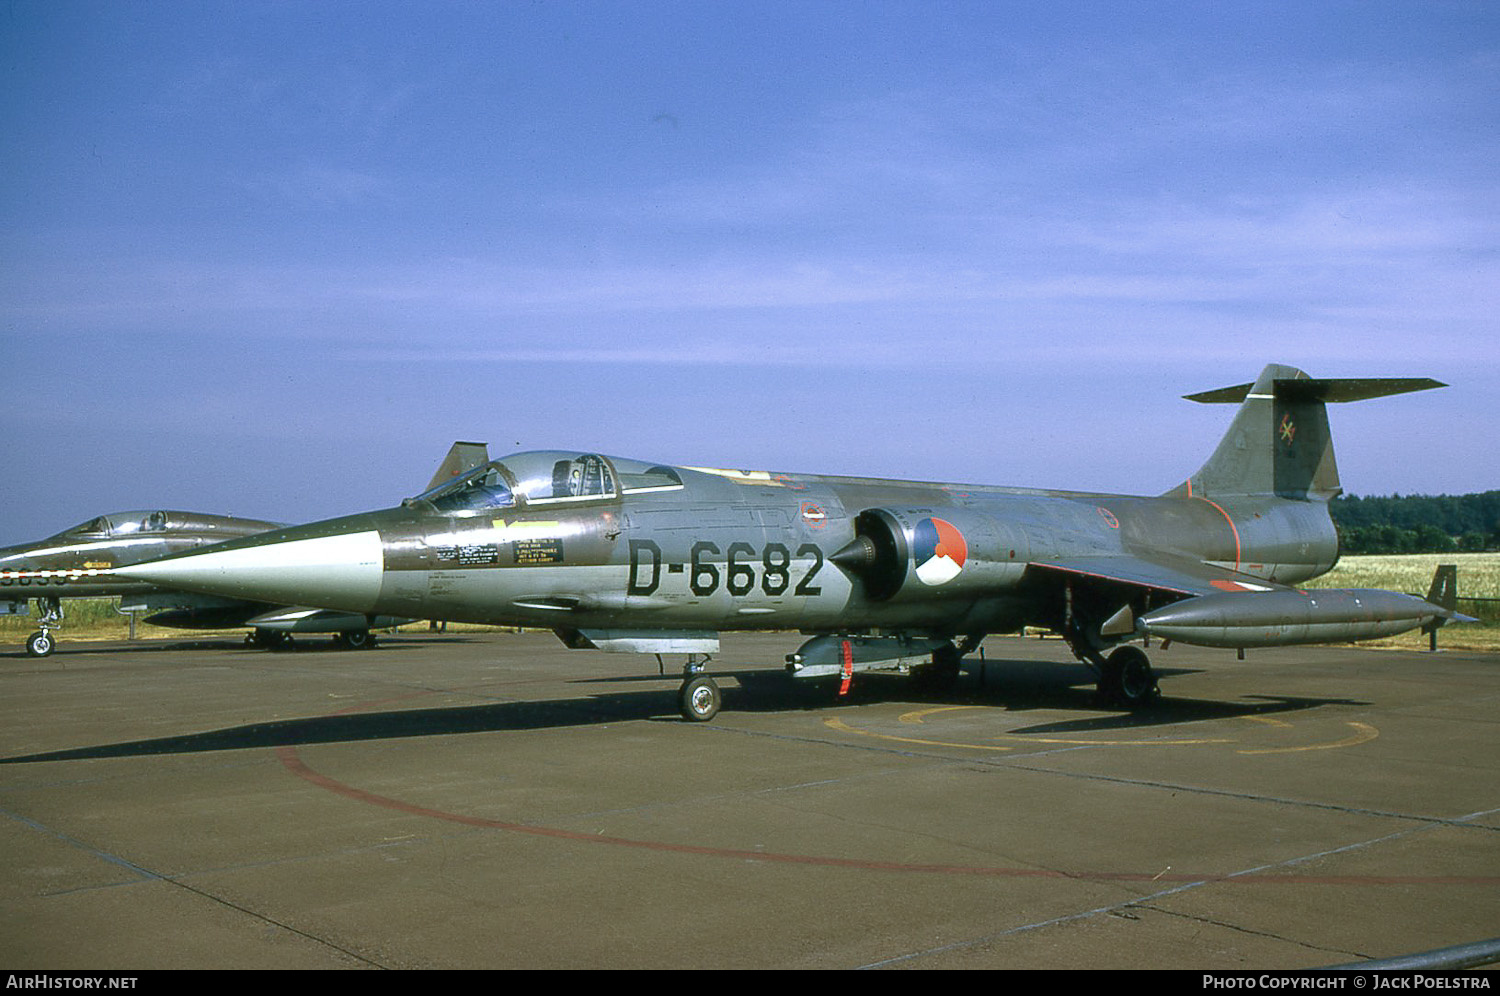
<point x="1418" y="523"/>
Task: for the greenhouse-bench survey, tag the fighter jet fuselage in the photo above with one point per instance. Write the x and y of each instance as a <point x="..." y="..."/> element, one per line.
<point x="77" y="562"/>
<point x="621" y="554"/>
<point x="717" y="550"/>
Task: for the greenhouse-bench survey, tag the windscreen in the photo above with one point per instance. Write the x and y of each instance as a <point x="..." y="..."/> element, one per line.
<point x="481" y="488"/>
<point x="546" y="477"/>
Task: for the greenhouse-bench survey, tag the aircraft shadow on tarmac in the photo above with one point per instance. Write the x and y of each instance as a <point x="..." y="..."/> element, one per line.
<point x="316" y="644"/>
<point x="1009" y="686"/>
<point x="1020" y="686"/>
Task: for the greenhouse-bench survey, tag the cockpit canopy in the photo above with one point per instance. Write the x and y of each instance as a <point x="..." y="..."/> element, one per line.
<point x="123" y="524"/>
<point x="547" y="477"/>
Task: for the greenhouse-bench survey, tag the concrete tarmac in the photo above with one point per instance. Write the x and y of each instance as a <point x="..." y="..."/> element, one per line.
<point x="498" y="801"/>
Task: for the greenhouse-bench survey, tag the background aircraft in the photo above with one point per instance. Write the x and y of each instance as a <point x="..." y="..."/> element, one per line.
<point x="905" y="576"/>
<point x="76" y="563"/>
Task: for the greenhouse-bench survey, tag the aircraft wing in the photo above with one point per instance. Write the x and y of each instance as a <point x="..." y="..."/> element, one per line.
<point x="1179" y="576"/>
<point x="1211" y="607"/>
<point x="1183" y="581"/>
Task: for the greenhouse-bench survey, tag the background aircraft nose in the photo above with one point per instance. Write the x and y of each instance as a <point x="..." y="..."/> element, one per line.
<point x="336" y="569"/>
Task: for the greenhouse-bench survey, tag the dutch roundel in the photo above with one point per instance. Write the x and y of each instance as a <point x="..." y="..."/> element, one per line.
<point x="939" y="551"/>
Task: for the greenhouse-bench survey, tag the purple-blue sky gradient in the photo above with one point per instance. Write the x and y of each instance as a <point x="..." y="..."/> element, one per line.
<point x="271" y="259"/>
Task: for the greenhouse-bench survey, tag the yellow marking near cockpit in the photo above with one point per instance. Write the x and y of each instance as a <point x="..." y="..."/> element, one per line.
<point x="1364" y="733"/>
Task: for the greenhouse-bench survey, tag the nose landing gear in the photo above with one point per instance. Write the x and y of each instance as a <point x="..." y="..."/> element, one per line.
<point x="698" y="698"/>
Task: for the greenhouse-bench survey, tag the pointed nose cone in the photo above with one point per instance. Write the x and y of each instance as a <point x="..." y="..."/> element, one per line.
<point x="859" y="555"/>
<point x="335" y="565"/>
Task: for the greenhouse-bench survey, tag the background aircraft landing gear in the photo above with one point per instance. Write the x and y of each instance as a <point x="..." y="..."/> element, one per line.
<point x="1126" y="678"/>
<point x="269" y="639"/>
<point x="355" y="639"/>
<point x="40" y="643"/>
<point x="49" y="614"/>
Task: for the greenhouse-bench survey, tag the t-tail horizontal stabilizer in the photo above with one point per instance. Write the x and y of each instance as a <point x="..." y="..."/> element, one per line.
<point x="1350" y="389"/>
<point x="1279" y="443"/>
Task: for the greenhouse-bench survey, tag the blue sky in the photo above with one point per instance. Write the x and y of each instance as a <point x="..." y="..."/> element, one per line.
<point x="272" y="258"/>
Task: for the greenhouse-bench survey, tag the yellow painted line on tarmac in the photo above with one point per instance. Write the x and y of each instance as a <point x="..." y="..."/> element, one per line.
<point x="1269" y="721"/>
<point x="842" y="727"/>
<point x="1363" y="733"/>
<point x="919" y="715"/>
<point x="1059" y="742"/>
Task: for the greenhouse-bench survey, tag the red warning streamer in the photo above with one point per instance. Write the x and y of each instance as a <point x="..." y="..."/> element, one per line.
<point x="846" y="673"/>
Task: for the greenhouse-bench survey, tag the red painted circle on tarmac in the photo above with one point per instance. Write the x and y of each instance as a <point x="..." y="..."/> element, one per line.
<point x="293" y="762"/>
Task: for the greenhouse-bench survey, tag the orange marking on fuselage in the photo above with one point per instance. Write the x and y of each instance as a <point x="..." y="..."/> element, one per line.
<point x="1231" y="528"/>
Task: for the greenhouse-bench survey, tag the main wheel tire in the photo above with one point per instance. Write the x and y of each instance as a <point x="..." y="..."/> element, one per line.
<point x="1128" y="678"/>
<point x="699" y="699"/>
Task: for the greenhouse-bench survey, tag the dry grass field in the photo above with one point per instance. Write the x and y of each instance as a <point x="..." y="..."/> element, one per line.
<point x="1478" y="573"/>
<point x="1478" y="578"/>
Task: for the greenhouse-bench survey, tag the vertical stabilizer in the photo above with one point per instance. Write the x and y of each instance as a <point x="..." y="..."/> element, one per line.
<point x="1279" y="442"/>
<point x="1443" y="594"/>
<point x="1444" y="590"/>
<point x="462" y="457"/>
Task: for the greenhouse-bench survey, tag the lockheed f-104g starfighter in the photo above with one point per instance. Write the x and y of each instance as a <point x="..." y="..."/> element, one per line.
<point x="630" y="555"/>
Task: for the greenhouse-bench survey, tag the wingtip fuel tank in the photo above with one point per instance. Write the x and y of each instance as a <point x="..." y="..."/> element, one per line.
<point x="1286" y="617"/>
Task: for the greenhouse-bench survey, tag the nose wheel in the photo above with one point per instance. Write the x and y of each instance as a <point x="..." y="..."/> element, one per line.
<point x="698" y="698"/>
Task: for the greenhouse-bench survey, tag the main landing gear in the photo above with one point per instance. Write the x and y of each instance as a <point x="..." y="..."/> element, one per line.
<point x="1125" y="677"/>
<point x="1128" y="679"/>
<point x="942" y="674"/>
